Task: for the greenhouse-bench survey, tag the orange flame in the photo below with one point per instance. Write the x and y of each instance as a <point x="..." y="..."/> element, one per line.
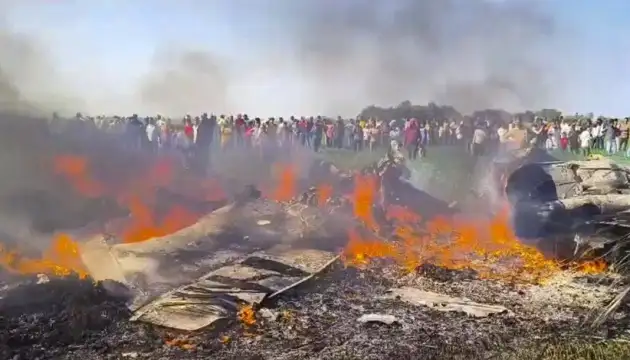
<point x="138" y="194"/>
<point x="61" y="259"/>
<point x="324" y="193"/>
<point x="181" y="342"/>
<point x="591" y="267"/>
<point x="247" y="315"/>
<point x="287" y="184"/>
<point x="144" y="225"/>
<point x="487" y="246"/>
<point x="75" y="169"/>
<point x="363" y="199"/>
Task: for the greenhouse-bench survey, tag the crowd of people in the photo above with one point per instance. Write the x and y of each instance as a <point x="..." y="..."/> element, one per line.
<point x="609" y="136"/>
<point x="199" y="135"/>
<point x="316" y="133"/>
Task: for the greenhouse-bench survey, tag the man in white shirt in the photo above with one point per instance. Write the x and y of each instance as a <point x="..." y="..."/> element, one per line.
<point x="152" y="135"/>
<point x="478" y="141"/>
<point x="585" y="141"/>
<point x="597" y="135"/>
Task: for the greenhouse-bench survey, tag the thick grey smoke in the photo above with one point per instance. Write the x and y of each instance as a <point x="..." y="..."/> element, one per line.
<point x="185" y="81"/>
<point x="471" y="54"/>
<point x="324" y="56"/>
<point x="336" y="57"/>
<point x="29" y="80"/>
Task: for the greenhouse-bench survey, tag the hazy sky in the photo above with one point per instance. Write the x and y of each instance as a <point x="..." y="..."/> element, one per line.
<point x="105" y="47"/>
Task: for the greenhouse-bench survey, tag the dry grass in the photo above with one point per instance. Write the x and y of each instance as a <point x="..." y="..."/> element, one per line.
<point x="571" y="349"/>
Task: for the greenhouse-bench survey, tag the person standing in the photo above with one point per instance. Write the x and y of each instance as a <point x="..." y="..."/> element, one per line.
<point x="624" y="130"/>
<point x="585" y="142"/>
<point x="477" y="147"/>
<point x="412" y="138"/>
<point x="152" y="136"/>
<point x="609" y="137"/>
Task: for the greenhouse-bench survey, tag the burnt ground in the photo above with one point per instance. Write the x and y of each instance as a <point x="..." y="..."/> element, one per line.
<point x="75" y="319"/>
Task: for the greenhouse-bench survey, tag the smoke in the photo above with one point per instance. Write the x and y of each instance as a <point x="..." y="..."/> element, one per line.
<point x="31" y="88"/>
<point x="29" y="80"/>
<point x="469" y="54"/>
<point x="322" y="57"/>
<point x="184" y="81"/>
<point x="336" y="57"/>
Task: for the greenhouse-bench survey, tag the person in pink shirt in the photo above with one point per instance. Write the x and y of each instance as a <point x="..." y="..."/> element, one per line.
<point x="412" y="138"/>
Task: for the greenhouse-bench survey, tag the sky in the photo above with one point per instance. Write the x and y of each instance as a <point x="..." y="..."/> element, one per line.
<point x="102" y="49"/>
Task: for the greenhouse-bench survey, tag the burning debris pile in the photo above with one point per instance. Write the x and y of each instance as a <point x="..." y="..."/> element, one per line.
<point x="193" y="268"/>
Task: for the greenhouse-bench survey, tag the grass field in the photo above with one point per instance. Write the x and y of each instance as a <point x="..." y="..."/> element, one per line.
<point x="565" y="155"/>
<point x="442" y="172"/>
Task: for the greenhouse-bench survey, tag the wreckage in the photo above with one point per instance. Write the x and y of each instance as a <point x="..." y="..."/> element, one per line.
<point x="572" y="206"/>
<point x="241" y="254"/>
<point x="252" y="249"/>
<point x="235" y="256"/>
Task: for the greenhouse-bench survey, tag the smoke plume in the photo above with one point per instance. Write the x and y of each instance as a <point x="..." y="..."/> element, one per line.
<point x="469" y="54"/>
<point x="183" y="81"/>
<point x="336" y="57"/>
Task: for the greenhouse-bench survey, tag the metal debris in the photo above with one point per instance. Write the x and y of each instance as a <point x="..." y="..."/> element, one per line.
<point x="218" y="294"/>
<point x="202" y="273"/>
<point x="268" y="314"/>
<point x="442" y="302"/>
<point x="380" y="318"/>
<point x="42" y="279"/>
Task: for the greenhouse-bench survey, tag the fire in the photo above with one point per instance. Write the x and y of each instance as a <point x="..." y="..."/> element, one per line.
<point x="61" y="259"/>
<point x="75" y="169"/>
<point x="364" y="198"/>
<point x="324" y="193"/>
<point x="591" y="267"/>
<point x="181" y="342"/>
<point x="144" y="225"/>
<point x="247" y="315"/>
<point x="286" y="188"/>
<point x="487" y="246"/>
<point x="138" y="195"/>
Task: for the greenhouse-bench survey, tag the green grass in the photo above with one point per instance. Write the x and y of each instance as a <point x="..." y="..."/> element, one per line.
<point x="350" y="160"/>
<point x="567" y="156"/>
<point x="442" y="171"/>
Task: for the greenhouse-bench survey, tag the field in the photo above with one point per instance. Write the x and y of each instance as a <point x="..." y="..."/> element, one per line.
<point x="442" y="171"/>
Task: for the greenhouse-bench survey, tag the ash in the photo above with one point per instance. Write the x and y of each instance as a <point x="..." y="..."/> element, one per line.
<point x="76" y="319"/>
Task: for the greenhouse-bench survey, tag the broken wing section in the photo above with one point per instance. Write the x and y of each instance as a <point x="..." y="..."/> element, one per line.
<point x="218" y="294"/>
<point x="238" y="254"/>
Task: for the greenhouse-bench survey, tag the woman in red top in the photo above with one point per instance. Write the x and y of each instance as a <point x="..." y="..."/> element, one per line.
<point x="188" y="129"/>
<point x="564" y="142"/>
